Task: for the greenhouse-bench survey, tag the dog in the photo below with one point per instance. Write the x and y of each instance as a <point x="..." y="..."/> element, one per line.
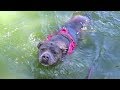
<point x="63" y="42"/>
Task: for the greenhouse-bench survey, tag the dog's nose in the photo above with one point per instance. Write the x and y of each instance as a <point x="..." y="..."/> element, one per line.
<point x="45" y="59"/>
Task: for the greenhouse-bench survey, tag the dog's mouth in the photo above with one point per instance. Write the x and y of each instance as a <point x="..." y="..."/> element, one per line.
<point x="47" y="63"/>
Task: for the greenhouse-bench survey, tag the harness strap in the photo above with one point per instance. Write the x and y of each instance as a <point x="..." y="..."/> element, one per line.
<point x="66" y="33"/>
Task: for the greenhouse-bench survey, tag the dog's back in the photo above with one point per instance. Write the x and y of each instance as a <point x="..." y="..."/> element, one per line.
<point x="75" y="24"/>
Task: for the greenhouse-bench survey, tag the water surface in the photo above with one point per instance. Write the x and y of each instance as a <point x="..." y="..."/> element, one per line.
<point x="97" y="55"/>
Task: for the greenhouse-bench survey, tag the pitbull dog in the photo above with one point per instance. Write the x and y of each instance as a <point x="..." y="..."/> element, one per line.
<point x="63" y="42"/>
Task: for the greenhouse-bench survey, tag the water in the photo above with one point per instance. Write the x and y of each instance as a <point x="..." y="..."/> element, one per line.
<point x="97" y="55"/>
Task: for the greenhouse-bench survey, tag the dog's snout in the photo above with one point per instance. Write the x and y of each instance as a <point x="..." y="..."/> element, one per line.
<point x="44" y="61"/>
<point x="45" y="58"/>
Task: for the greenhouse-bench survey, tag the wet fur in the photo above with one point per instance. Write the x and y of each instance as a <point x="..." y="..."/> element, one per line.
<point x="57" y="47"/>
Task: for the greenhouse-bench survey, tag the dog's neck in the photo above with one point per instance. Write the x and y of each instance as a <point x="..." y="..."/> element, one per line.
<point x="61" y="41"/>
<point x="61" y="45"/>
<point x="64" y="40"/>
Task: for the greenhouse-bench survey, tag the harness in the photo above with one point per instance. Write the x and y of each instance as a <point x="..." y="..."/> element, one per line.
<point x="65" y="32"/>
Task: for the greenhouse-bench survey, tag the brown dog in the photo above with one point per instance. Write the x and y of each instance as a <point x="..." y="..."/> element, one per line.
<point x="62" y="42"/>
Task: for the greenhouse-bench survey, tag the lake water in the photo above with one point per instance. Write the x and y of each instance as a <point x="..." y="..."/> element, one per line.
<point x="96" y="57"/>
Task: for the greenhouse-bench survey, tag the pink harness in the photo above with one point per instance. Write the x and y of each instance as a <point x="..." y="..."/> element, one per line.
<point x="65" y="32"/>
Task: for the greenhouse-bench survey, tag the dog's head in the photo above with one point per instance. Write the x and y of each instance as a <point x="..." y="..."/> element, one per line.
<point x="49" y="53"/>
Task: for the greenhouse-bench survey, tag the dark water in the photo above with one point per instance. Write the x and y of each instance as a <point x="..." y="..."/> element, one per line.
<point x="97" y="56"/>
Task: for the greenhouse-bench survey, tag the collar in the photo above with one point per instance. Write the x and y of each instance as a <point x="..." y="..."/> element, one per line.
<point x="66" y="33"/>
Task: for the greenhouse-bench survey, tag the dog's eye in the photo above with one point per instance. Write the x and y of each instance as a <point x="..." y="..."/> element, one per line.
<point x="53" y="52"/>
<point x="42" y="49"/>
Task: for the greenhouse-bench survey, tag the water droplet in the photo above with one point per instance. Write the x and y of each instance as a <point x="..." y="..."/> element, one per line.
<point x="16" y="59"/>
<point x="78" y="65"/>
<point x="56" y="74"/>
<point x="62" y="71"/>
<point x="24" y="48"/>
<point x="41" y="72"/>
<point x="5" y="28"/>
<point x="70" y="63"/>
<point x="28" y="62"/>
<point x="4" y="50"/>
<point x="16" y="62"/>
<point x="22" y="57"/>
<point x="16" y="28"/>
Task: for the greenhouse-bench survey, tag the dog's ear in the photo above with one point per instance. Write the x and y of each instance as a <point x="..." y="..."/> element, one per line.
<point x="39" y="44"/>
<point x="64" y="51"/>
